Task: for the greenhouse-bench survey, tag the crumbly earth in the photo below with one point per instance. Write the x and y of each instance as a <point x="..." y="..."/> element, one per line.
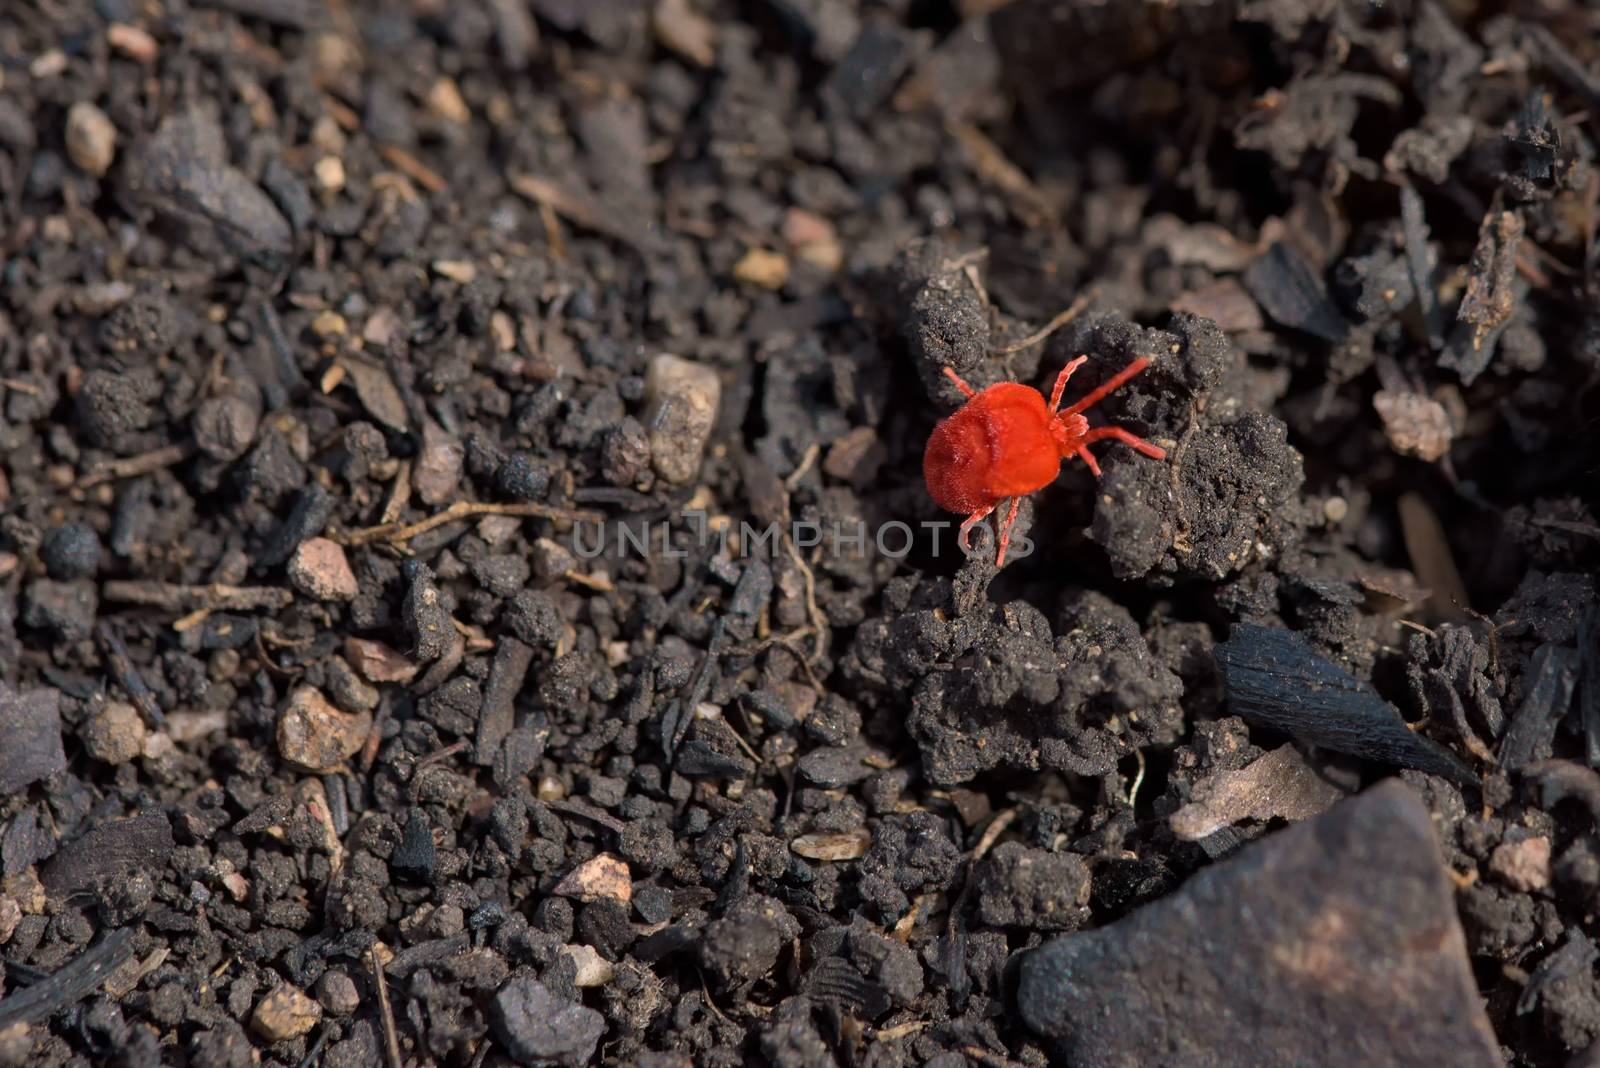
<point x="467" y="590"/>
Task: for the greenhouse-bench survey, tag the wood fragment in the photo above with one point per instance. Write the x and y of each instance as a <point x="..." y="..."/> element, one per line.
<point x="180" y="598"/>
<point x="391" y="1040"/>
<point x="1074" y="310"/>
<point x="578" y="208"/>
<point x="395" y="533"/>
<point x="1030" y="205"/>
<point x="413" y="168"/>
<point x="133" y="466"/>
<point x="127" y="676"/>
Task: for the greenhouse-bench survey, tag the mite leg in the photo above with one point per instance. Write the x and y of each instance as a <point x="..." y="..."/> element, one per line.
<point x="1116" y="433"/>
<point x="1005" y="531"/>
<point x="1061" y="382"/>
<point x="1088" y="460"/>
<point x="962" y="539"/>
<point x="1110" y="385"/>
<point x="949" y="372"/>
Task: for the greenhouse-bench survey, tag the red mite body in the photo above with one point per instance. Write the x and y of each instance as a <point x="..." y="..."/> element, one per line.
<point x="1007" y="442"/>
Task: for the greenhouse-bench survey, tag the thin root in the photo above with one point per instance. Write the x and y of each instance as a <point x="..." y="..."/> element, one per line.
<point x="1074" y="310"/>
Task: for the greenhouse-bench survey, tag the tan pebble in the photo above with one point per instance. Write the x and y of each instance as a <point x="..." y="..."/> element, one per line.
<point x="315" y="735"/>
<point x="10" y="916"/>
<point x="593" y="969"/>
<point x="329" y="323"/>
<point x="814" y="238"/>
<point x="284" y="1014"/>
<point x="1523" y="865"/>
<point x="115" y="734"/>
<point x="377" y="662"/>
<point x="686" y="31"/>
<point x="133" y="42"/>
<point x="50" y="64"/>
<point x="330" y="173"/>
<point x="762" y="267"/>
<point x="91" y="139"/>
<point x="462" y="271"/>
<point x="444" y="100"/>
<point x="319" y="569"/>
<point x="601" y="876"/>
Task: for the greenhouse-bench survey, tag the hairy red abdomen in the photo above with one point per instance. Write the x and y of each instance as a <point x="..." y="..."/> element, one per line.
<point x="997" y="445"/>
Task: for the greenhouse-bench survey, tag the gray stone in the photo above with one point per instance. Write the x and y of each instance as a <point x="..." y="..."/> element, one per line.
<point x="1334" y="942"/>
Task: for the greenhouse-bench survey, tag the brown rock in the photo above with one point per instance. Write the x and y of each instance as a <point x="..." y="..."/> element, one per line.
<point x="285" y="1013"/>
<point x="10" y="916"/>
<point x="1278" y="785"/>
<point x="377" y="662"/>
<point x="600" y="876"/>
<point x="115" y="734"/>
<point x="319" y="569"/>
<point x="439" y="465"/>
<point x="1334" y="942"/>
<point x="680" y="409"/>
<point x="315" y="735"/>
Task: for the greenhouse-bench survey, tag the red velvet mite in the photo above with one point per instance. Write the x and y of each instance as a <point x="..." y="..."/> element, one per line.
<point x="1005" y="442"/>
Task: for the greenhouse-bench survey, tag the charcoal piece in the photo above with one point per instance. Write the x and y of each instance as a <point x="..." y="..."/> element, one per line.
<point x="69" y="984"/>
<point x="1552" y="676"/>
<point x="1492" y="296"/>
<point x="698" y="760"/>
<point x="30" y="723"/>
<point x="1421" y="262"/>
<point x="1273" y="678"/>
<point x="539" y="1028"/>
<point x="416" y="856"/>
<point x="835" y="979"/>
<point x="313" y="507"/>
<point x="1589" y="682"/>
<point x="836" y="766"/>
<point x="861" y="81"/>
<point x="1336" y="939"/>
<point x="498" y="715"/>
<point x="1566" y="992"/>
<point x="1288" y="289"/>
<point x="109" y="852"/>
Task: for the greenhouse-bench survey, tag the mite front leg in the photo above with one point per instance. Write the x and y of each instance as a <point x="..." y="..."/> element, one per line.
<point x="1061" y="382"/>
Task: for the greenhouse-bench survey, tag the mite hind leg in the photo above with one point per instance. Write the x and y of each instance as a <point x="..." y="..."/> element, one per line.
<point x="963" y="536"/>
<point x="950" y="373"/>
<point x="1005" y="531"/>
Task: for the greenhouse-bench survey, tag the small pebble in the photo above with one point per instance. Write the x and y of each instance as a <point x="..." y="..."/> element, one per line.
<point x="1523" y="865"/>
<point x="71" y="551"/>
<point x="762" y="267"/>
<point x="537" y="1027"/>
<point x="601" y="876"/>
<point x="317" y="736"/>
<point x="338" y="993"/>
<point x="10" y="916"/>
<point x="115" y="734"/>
<point x="285" y="1013"/>
<point x="319" y="569"/>
<point x="91" y="139"/>
<point x="377" y="662"/>
<point x="680" y="409"/>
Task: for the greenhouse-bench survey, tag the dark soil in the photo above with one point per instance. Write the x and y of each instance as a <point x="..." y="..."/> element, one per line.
<point x="468" y="591"/>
